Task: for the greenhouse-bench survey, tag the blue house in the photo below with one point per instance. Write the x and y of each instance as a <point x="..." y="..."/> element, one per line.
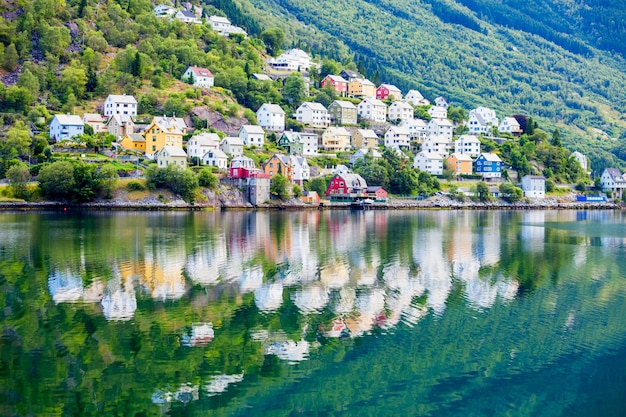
<point x="489" y="165"/>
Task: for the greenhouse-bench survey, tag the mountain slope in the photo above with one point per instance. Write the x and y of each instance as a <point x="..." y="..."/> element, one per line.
<point x="445" y="48"/>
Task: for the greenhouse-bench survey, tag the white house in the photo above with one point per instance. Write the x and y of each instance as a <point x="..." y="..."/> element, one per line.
<point x="441" y="127"/>
<point x="441" y="102"/>
<point x="313" y="114"/>
<point x="400" y="110"/>
<point x="417" y="128"/>
<point x="613" y="182"/>
<point x="415" y="98"/>
<point x="359" y="154"/>
<point x="223" y="26"/>
<point x="583" y="161"/>
<point x="200" y="77"/>
<point x="292" y="60"/>
<point x="163" y="10"/>
<point x="310" y="143"/>
<point x="215" y="158"/>
<point x="120" y="104"/>
<point x="232" y="145"/>
<point x="534" y="186"/>
<point x="430" y="162"/>
<point x="66" y="126"/>
<point x="198" y="145"/>
<point x="186" y="16"/>
<point x="510" y="125"/>
<point x="481" y="120"/>
<point x="301" y="169"/>
<point x="171" y="155"/>
<point x="467" y="144"/>
<point x="437" y="144"/>
<point x="252" y="135"/>
<point x="372" y="109"/>
<point x="271" y="117"/>
<point x="397" y="137"/>
<point x="437" y="112"/>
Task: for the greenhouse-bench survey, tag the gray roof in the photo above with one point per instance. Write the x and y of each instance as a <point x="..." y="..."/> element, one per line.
<point x="69" y="120"/>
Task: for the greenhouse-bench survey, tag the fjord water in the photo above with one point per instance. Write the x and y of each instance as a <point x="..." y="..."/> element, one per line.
<point x="313" y="313"/>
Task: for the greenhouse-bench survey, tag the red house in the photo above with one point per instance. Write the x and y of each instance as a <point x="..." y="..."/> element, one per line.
<point x="338" y="83"/>
<point x="243" y="167"/>
<point x="387" y="90"/>
<point x="346" y="185"/>
<point x="377" y="193"/>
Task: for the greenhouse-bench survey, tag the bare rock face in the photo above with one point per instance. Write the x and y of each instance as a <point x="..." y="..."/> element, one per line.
<point x="232" y="197"/>
<point x="218" y="121"/>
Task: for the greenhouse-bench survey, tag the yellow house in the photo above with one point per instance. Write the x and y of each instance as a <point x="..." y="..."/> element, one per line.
<point x="133" y="142"/>
<point x="460" y="163"/>
<point x="360" y="87"/>
<point x="279" y="164"/>
<point x="162" y="133"/>
<point x="336" y="139"/>
<point x="364" y="138"/>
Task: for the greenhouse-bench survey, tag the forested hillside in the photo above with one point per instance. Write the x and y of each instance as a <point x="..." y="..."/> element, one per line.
<point x="541" y="58"/>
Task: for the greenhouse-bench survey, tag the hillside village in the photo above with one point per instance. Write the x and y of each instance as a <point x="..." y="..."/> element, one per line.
<point x="331" y="133"/>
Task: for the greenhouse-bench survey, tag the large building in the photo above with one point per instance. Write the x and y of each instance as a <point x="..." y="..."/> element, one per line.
<point x="64" y="127"/>
<point x="120" y="104"/>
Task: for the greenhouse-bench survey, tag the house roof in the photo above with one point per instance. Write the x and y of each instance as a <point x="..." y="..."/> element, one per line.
<point x="173" y="151"/>
<point x="534" y="177"/>
<point x="413" y="123"/>
<point x="367" y="133"/>
<point x="350" y="73"/>
<point x="170" y="122"/>
<point x="468" y="139"/>
<point x="136" y="137"/>
<point x="272" y="108"/>
<point x="491" y="157"/>
<point x="362" y="152"/>
<point x="390" y="87"/>
<point x="430" y="155"/>
<point x="206" y="139"/>
<point x="372" y="101"/>
<point x="365" y="81"/>
<point x="334" y="130"/>
<point x="337" y="78"/>
<point x="232" y="140"/>
<point x="261" y="77"/>
<point x="461" y="157"/>
<point x="353" y="180"/>
<point x="186" y="13"/>
<point x="122" y="98"/>
<point x="253" y="129"/>
<point x="69" y="120"/>
<point x="93" y="118"/>
<point x="217" y="154"/>
<point x="313" y="106"/>
<point x="201" y="72"/>
<point x="344" y="104"/>
<point x="219" y="19"/>
<point x="441" y="122"/>
<point x="374" y="188"/>
<point x="414" y="94"/>
<point x="615" y="174"/>
<point x="399" y="130"/>
<point x="402" y="104"/>
<point x="120" y="119"/>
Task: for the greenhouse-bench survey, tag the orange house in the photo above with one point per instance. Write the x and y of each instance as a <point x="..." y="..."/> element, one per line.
<point x="279" y="164"/>
<point x="460" y="163"/>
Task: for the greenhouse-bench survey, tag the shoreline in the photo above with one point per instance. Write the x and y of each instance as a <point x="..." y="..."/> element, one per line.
<point x="438" y="204"/>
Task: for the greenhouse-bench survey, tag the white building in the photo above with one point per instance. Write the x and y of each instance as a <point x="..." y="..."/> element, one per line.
<point x="359" y="154"/>
<point x="163" y="10"/>
<point x="583" y="161"/>
<point x="186" y="16"/>
<point x="416" y="98"/>
<point x="252" y="135"/>
<point x="417" y="128"/>
<point x="120" y="104"/>
<point x="437" y="112"/>
<point x="430" y="162"/>
<point x="313" y="114"/>
<point x="292" y="60"/>
<point x="481" y="120"/>
<point x="215" y="158"/>
<point x="437" y="144"/>
<point x="310" y="143"/>
<point x="201" y="77"/>
<point x="534" y="186"/>
<point x="301" y="169"/>
<point x="397" y="137"/>
<point x="613" y="182"/>
<point x="400" y="110"/>
<point x="271" y="117"/>
<point x="232" y="145"/>
<point x="510" y="125"/>
<point x="441" y="102"/>
<point x="440" y="127"/>
<point x="66" y="126"/>
<point x="223" y="26"/>
<point x="198" y="145"/>
<point x="467" y="144"/>
<point x="373" y="109"/>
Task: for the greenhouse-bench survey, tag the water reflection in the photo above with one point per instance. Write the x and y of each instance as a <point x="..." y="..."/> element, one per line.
<point x="213" y="300"/>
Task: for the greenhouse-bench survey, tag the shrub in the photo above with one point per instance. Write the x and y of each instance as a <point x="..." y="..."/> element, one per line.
<point x="207" y="179"/>
<point x="135" y="186"/>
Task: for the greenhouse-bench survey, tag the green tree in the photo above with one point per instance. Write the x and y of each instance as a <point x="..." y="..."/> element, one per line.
<point x="56" y="180"/>
<point x="457" y="114"/>
<point x="75" y="78"/>
<point x="510" y="192"/>
<point x="317" y="184"/>
<point x="296" y="191"/>
<point x="10" y="58"/>
<point x="278" y="187"/>
<point x="294" y="90"/>
<point x="18" y="177"/>
<point x="329" y="67"/>
<point x="108" y="178"/>
<point x="273" y="39"/>
<point x="207" y="179"/>
<point x="482" y="192"/>
<point x="17" y="141"/>
<point x="556" y="138"/>
<point x="54" y="39"/>
<point x="28" y="81"/>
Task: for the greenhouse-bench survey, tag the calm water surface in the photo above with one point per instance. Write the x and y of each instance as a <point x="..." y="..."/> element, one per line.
<point x="313" y="313"/>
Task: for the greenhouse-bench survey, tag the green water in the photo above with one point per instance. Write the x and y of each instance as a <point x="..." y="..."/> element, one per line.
<point x="371" y="313"/>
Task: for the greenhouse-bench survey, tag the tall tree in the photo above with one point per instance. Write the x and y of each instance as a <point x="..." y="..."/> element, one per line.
<point x="294" y="90"/>
<point x="273" y="39"/>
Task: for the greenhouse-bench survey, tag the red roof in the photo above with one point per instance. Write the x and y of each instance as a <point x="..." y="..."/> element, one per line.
<point x="201" y="72"/>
